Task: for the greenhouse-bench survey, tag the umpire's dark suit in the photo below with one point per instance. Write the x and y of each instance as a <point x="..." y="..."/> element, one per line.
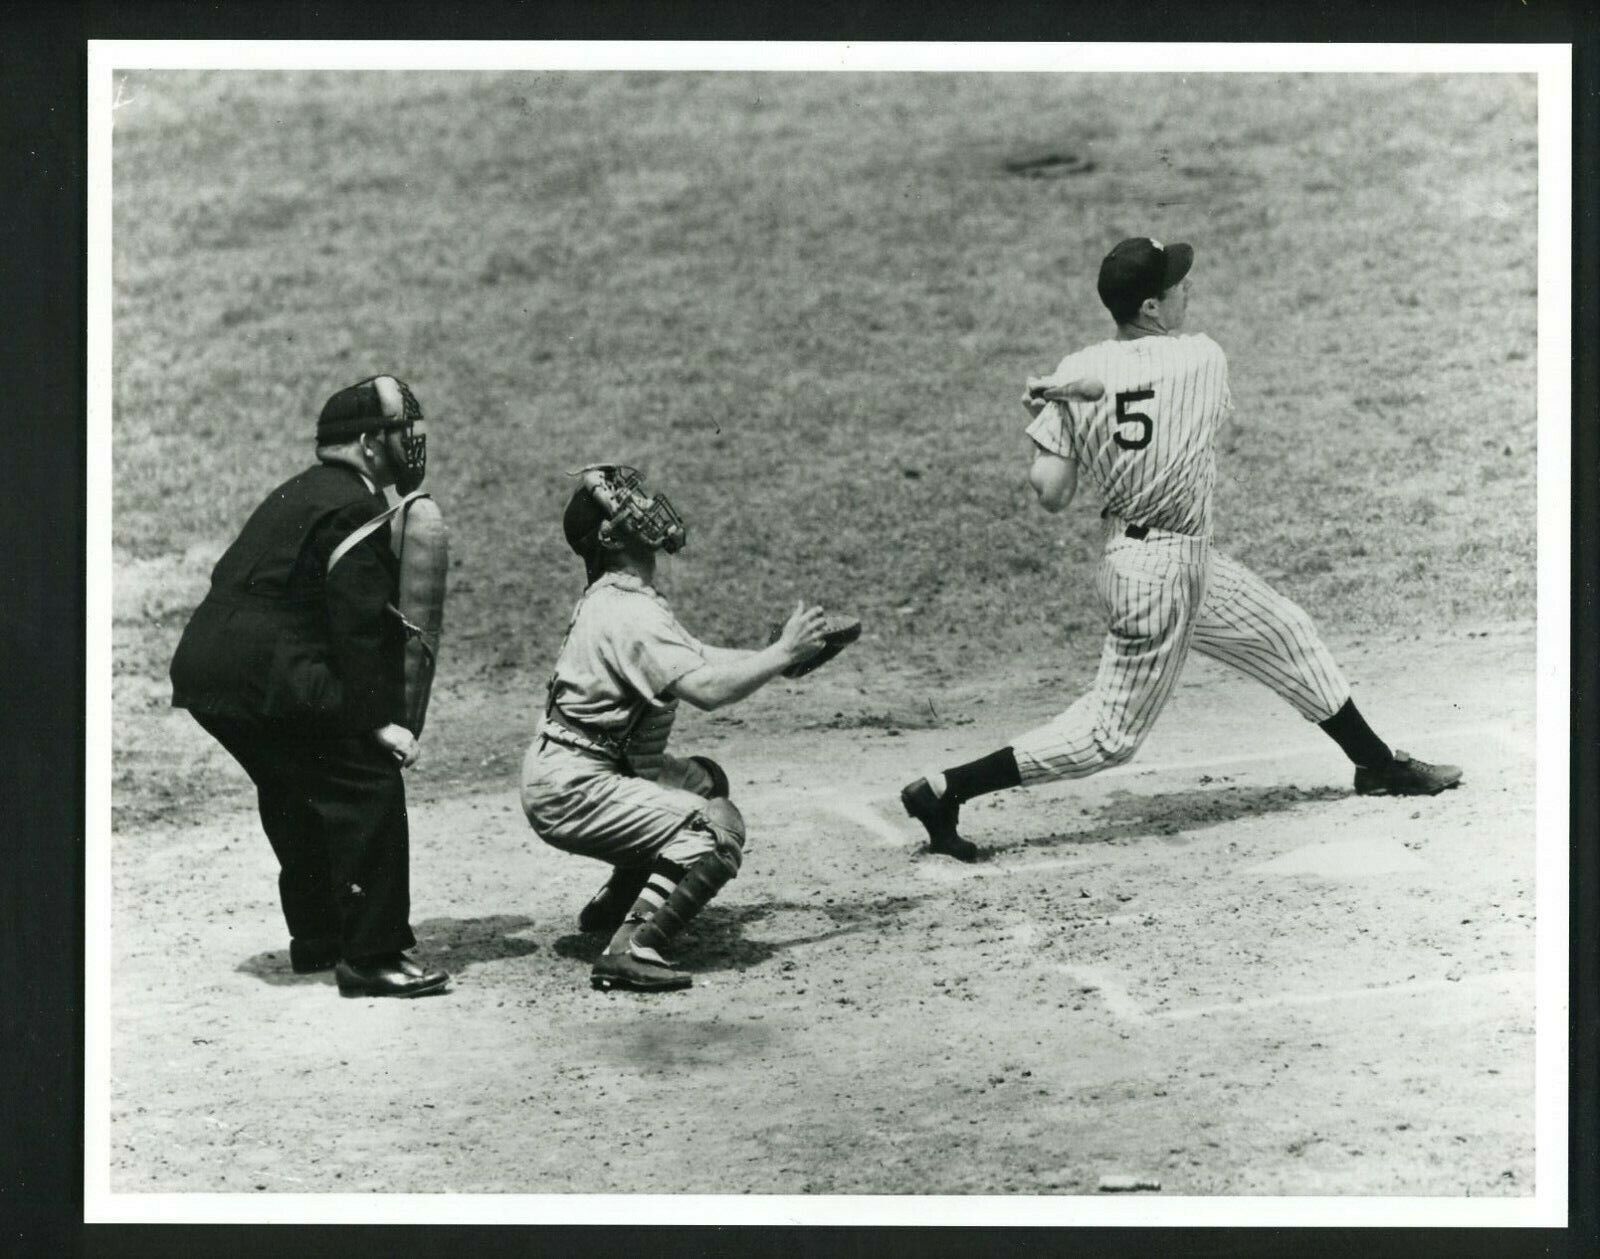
<point x="291" y="671"/>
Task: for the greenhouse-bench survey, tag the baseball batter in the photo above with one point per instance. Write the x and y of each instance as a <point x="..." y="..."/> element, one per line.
<point x="597" y="779"/>
<point x="1137" y="417"/>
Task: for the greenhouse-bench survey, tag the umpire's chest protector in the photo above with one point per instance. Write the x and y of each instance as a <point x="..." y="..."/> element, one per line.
<point x="422" y="546"/>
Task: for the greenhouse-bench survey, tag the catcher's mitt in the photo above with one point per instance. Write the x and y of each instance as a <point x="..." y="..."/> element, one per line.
<point x="838" y="632"/>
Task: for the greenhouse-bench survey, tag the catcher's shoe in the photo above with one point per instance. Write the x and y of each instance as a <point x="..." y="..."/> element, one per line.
<point x="610" y="905"/>
<point x="625" y="969"/>
<point x="1406" y="776"/>
<point x="938" y="817"/>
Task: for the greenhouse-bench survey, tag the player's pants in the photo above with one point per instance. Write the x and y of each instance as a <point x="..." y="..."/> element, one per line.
<point x="578" y="802"/>
<point x="1161" y="597"/>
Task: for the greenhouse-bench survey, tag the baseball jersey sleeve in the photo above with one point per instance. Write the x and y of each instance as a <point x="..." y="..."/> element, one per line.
<point x="1216" y="359"/>
<point x="653" y="650"/>
<point x="1049" y="431"/>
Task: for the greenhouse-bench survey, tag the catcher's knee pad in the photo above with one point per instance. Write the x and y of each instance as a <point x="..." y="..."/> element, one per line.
<point x="719" y="780"/>
<point x="726" y="825"/>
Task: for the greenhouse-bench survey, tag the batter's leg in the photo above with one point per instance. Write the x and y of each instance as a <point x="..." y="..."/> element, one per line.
<point x="1150" y="603"/>
<point x="1151" y="622"/>
<point x="1246" y="624"/>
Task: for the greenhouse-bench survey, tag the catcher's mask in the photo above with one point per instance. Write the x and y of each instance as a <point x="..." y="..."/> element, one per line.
<point x="612" y="503"/>
<point x="385" y="404"/>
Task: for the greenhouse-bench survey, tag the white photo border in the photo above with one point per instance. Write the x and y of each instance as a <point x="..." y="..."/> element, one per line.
<point x="1547" y="1207"/>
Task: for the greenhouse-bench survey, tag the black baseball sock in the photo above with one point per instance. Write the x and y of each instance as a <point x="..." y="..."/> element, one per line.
<point x="665" y="875"/>
<point x="1350" y="731"/>
<point x="994" y="772"/>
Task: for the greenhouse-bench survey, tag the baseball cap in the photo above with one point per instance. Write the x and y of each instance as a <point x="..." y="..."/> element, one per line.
<point x="1139" y="268"/>
<point x="376" y="402"/>
<point x="581" y="523"/>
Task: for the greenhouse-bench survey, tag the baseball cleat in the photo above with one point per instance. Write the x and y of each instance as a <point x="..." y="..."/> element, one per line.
<point x="609" y="906"/>
<point x="938" y="817"/>
<point x="1406" y="776"/>
<point x="638" y="974"/>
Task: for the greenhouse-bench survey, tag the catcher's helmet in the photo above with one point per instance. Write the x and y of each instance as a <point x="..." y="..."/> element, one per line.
<point x="612" y="501"/>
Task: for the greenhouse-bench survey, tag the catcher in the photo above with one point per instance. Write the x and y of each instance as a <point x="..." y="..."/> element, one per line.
<point x="597" y="779"/>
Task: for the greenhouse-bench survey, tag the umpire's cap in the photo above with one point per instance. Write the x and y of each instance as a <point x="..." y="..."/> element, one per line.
<point x="376" y="402"/>
<point x="1139" y="268"/>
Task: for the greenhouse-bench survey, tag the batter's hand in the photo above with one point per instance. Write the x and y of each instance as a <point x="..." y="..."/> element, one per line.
<point x="804" y="634"/>
<point x="1032" y="402"/>
<point x="1084" y="389"/>
<point x="400" y="743"/>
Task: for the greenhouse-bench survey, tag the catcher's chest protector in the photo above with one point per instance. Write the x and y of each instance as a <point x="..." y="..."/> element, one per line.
<point x="422" y="545"/>
<point x="648" y="745"/>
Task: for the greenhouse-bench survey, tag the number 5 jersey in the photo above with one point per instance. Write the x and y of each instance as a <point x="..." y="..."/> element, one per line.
<point x="1149" y="444"/>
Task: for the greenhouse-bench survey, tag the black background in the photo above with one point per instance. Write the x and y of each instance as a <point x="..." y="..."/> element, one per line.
<point x="43" y="75"/>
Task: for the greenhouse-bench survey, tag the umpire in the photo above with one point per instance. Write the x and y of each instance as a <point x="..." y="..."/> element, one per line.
<point x="298" y="671"/>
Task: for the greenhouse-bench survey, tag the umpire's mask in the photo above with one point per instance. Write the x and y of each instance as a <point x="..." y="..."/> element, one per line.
<point x="389" y="401"/>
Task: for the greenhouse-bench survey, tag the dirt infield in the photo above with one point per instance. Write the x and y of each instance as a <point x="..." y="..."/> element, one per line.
<point x="1215" y="968"/>
<point x="805" y="304"/>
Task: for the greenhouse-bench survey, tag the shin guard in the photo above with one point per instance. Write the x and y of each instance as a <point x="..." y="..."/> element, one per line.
<point x="703" y="880"/>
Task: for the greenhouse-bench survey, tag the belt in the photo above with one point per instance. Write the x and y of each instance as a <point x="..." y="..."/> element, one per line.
<point x="614" y="746"/>
<point x="1140" y="532"/>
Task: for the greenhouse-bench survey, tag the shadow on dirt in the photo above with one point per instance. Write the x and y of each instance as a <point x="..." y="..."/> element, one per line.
<point x="717" y="939"/>
<point x="453" y="943"/>
<point x="1129" y="815"/>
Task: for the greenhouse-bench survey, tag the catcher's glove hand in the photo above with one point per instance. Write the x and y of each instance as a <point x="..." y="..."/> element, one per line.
<point x="838" y="632"/>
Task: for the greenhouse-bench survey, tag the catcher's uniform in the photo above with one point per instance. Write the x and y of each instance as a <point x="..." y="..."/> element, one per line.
<point x="596" y="779"/>
<point x="1149" y="447"/>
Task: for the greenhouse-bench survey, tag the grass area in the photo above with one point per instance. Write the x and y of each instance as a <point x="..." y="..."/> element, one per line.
<point x="805" y="304"/>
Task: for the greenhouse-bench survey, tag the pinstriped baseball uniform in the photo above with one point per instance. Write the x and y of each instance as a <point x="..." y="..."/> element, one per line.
<point x="1148" y="446"/>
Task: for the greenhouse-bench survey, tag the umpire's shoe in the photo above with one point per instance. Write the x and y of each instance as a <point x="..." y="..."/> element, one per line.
<point x="1404" y="775"/>
<point x="938" y="816"/>
<point x="392" y="975"/>
<point x="639" y="972"/>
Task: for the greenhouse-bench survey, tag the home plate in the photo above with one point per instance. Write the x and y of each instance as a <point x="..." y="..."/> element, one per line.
<point x="1346" y="859"/>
